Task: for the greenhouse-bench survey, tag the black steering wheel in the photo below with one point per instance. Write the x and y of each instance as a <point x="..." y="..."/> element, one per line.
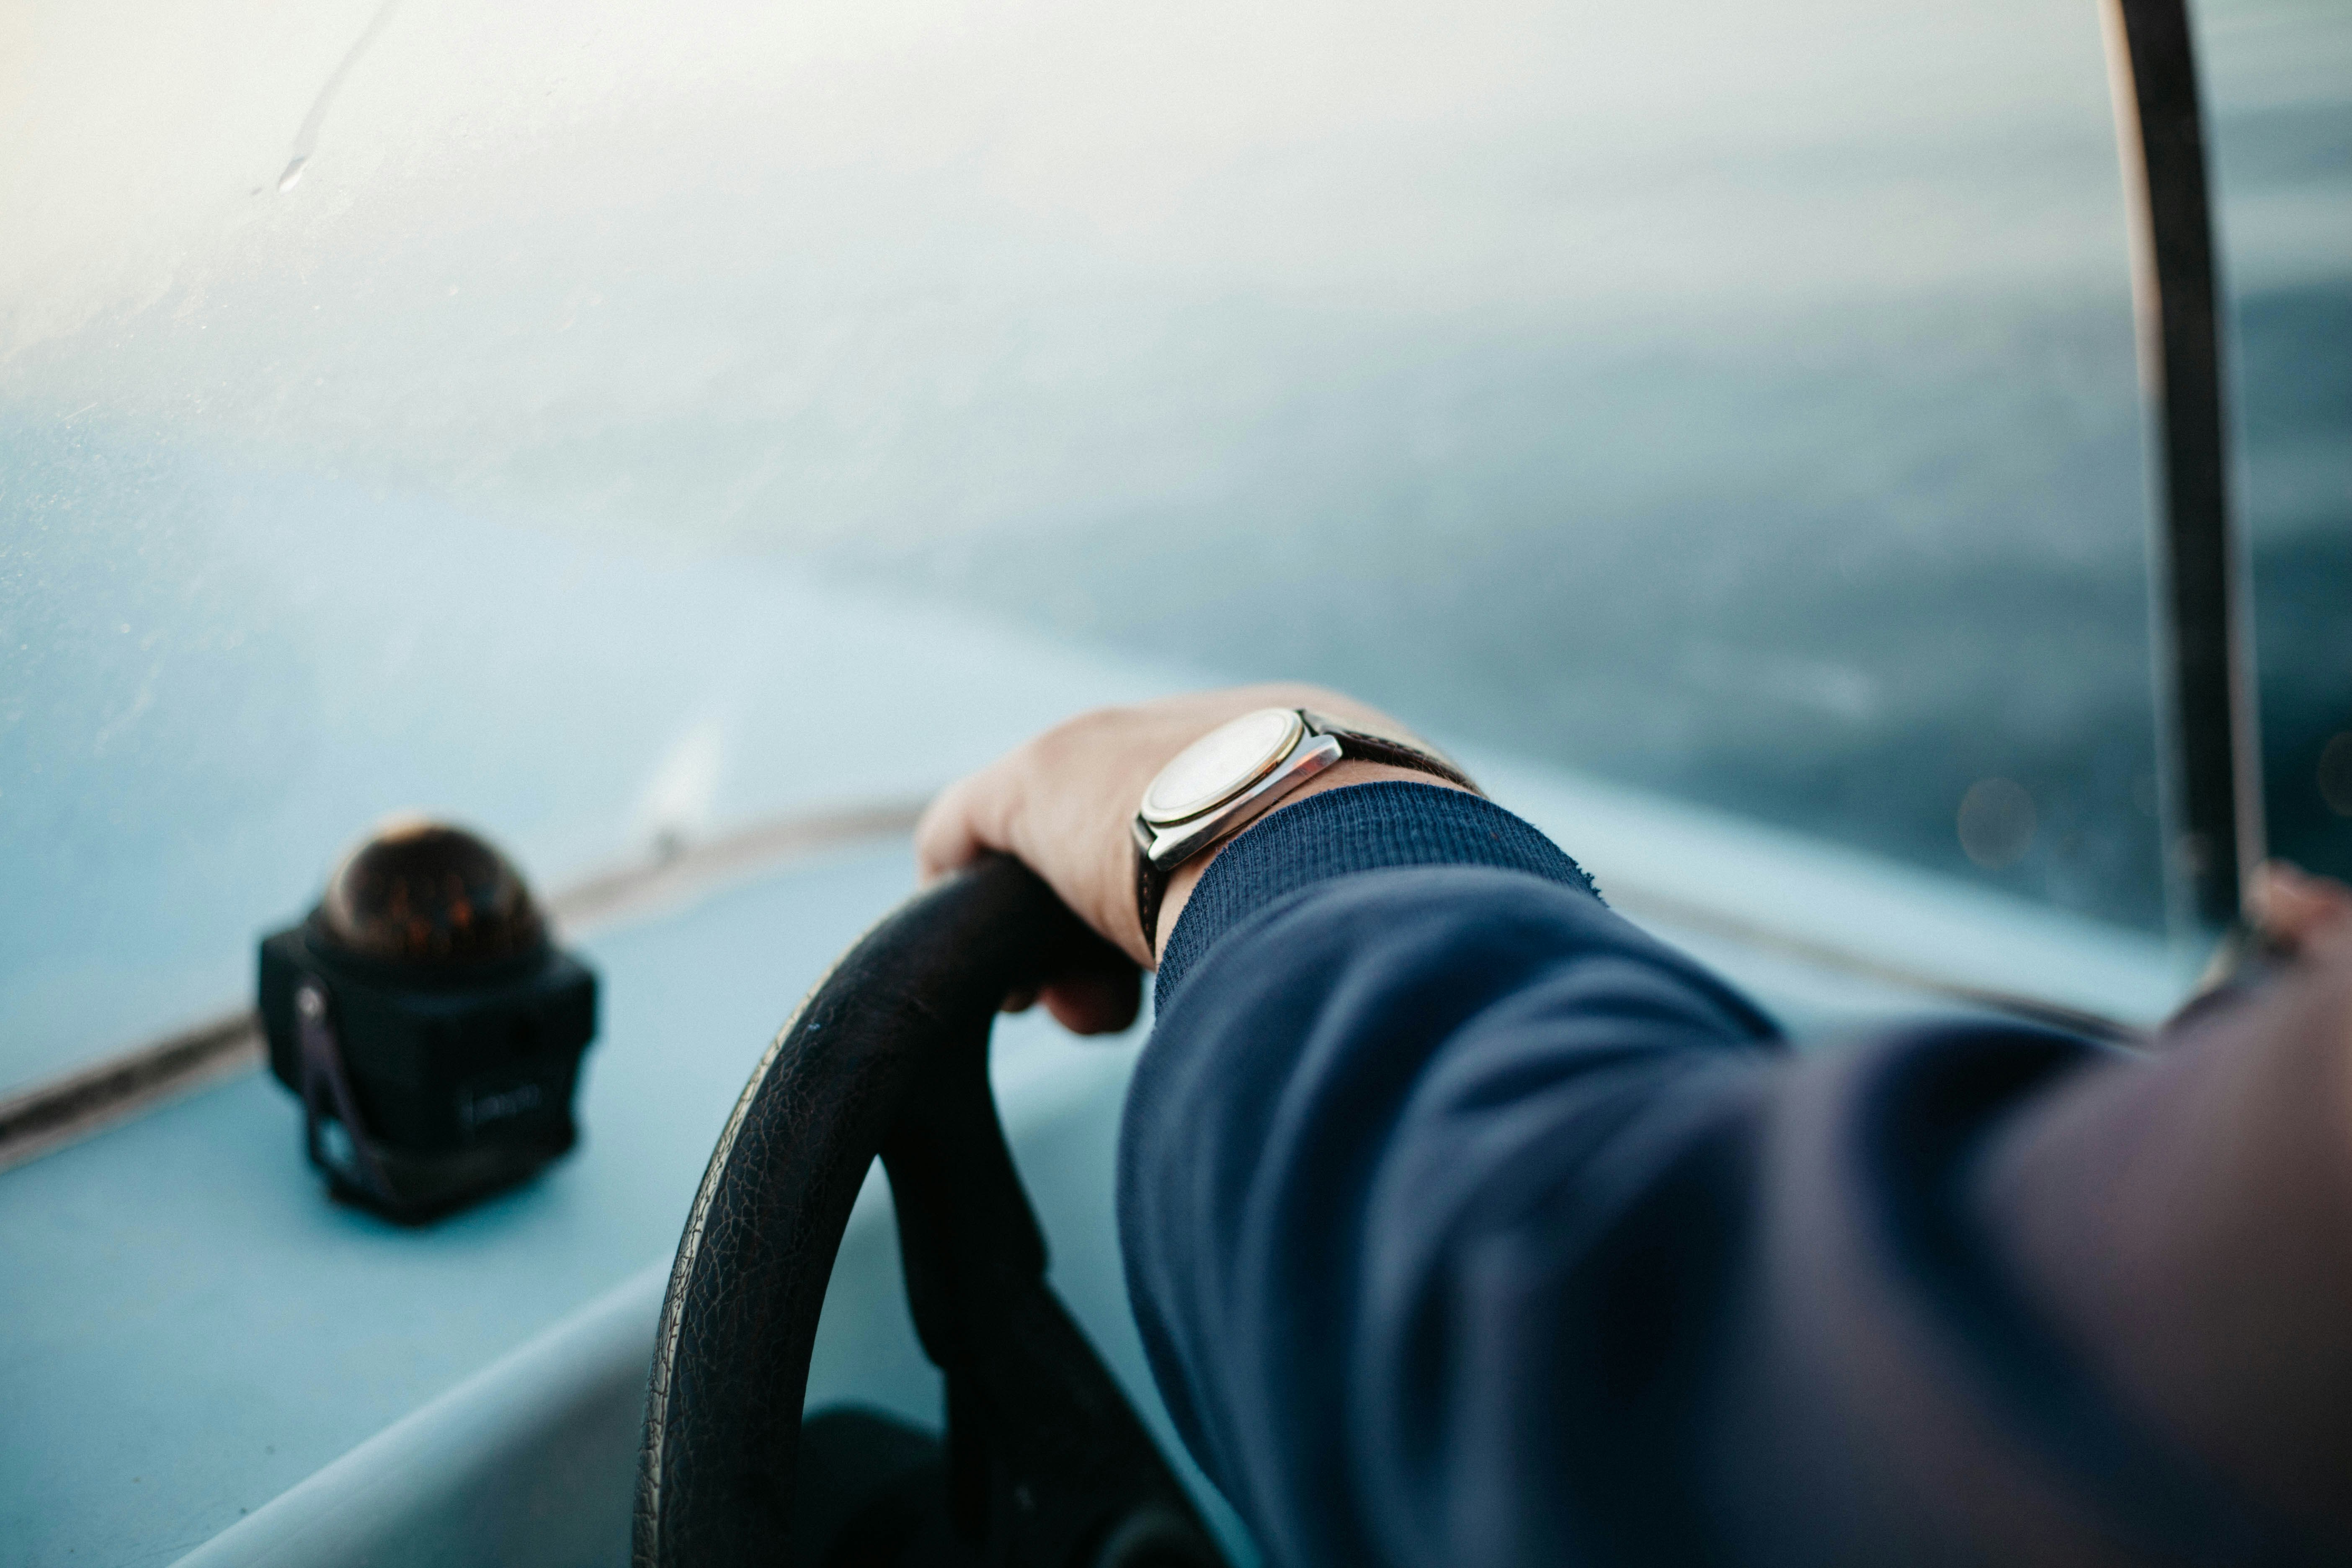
<point x="1044" y="1463"/>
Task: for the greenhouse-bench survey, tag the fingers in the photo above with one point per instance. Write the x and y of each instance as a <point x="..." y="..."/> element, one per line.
<point x="1096" y="1004"/>
<point x="2296" y="908"/>
<point x="962" y="823"/>
<point x="1085" y="1005"/>
<point x="1063" y="803"/>
<point x="942" y="835"/>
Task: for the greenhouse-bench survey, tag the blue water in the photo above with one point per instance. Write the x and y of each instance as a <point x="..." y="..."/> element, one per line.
<point x="1919" y="563"/>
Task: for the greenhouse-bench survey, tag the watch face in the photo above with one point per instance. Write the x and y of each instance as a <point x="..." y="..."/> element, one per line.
<point x="1220" y="764"/>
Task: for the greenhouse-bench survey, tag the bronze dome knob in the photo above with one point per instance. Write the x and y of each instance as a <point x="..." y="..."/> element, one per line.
<point x="424" y="894"/>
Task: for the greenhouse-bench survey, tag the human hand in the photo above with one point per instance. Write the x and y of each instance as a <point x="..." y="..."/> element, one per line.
<point x="1061" y="804"/>
<point x="2298" y="912"/>
<point x="2295" y="921"/>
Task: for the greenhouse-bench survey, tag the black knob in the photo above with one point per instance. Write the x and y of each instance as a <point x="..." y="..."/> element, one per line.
<point x="427" y="894"/>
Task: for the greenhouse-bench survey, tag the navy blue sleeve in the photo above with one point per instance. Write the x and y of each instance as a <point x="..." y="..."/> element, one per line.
<point x="1464" y="1223"/>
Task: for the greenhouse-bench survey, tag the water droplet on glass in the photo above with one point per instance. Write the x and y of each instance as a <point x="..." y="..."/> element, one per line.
<point x="292" y="176"/>
<point x="2335" y="773"/>
<point x="1996" y="822"/>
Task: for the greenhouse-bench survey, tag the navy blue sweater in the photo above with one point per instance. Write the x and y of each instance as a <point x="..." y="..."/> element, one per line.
<point x="1466" y="1223"/>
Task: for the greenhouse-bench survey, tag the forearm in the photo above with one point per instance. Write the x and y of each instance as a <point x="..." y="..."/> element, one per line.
<point x="2189" y="1224"/>
<point x="1466" y="1223"/>
<point x="1357" y="1082"/>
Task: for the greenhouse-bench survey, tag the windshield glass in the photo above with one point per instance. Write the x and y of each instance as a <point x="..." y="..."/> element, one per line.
<point x="605" y="422"/>
<point x="2280" y="75"/>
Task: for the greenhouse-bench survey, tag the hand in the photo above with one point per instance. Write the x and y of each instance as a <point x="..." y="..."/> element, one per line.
<point x="2299" y="912"/>
<point x="2296" y="921"/>
<point x="1062" y="802"/>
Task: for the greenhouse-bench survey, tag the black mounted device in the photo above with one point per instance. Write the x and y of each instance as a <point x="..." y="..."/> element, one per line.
<point x="428" y="1022"/>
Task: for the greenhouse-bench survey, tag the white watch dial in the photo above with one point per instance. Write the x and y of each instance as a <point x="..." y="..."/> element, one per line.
<point x="1222" y="763"/>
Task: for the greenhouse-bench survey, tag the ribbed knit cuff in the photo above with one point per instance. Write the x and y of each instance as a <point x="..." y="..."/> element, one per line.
<point x="1363" y="827"/>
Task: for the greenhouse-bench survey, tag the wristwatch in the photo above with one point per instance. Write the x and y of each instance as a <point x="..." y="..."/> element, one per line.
<point x="1234" y="774"/>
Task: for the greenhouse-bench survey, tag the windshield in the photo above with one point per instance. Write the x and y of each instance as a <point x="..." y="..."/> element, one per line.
<point x="604" y="423"/>
<point x="2279" y="73"/>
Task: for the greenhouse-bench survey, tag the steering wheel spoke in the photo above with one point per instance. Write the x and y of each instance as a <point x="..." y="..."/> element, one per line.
<point x="1044" y="1464"/>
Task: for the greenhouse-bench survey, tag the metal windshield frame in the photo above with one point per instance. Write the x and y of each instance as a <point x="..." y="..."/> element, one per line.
<point x="2209" y="727"/>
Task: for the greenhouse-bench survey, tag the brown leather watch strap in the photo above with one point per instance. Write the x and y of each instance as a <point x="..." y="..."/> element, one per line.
<point x="1151" y="886"/>
<point x="1362" y="746"/>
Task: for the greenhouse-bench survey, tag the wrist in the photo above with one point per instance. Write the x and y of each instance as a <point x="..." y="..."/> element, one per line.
<point x="1339" y="775"/>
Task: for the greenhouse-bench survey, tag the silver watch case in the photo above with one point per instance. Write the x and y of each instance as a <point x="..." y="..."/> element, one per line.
<point x="1170" y="845"/>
